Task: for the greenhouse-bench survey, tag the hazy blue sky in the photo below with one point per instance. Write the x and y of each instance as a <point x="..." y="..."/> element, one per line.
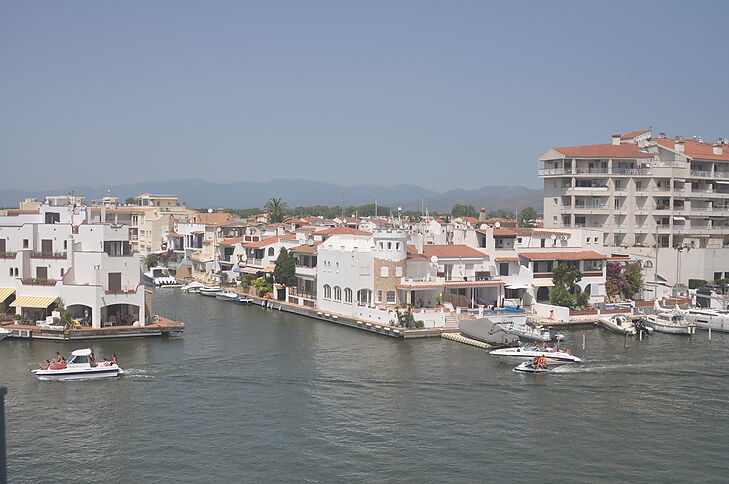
<point x="443" y="94"/>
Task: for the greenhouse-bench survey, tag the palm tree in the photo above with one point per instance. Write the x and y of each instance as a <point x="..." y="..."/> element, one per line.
<point x="277" y="210"/>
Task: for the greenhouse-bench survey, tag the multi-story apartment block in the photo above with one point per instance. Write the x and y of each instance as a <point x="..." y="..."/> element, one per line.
<point x="646" y="193"/>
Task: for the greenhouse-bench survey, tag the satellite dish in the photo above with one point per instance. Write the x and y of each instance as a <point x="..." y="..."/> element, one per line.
<point x="554" y="236"/>
<point x="483" y="226"/>
<point x="433" y="259"/>
<point x="399" y="209"/>
<point x="210" y="210"/>
<point x="310" y="242"/>
<point x="497" y="224"/>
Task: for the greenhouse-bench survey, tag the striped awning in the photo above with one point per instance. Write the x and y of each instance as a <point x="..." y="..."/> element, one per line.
<point x="5" y="293"/>
<point x="40" y="302"/>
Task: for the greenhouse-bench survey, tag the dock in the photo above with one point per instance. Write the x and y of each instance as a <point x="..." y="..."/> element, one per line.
<point x="460" y="338"/>
<point x="160" y="327"/>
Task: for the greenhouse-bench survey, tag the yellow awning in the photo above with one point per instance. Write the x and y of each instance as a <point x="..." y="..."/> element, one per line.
<point x="543" y="284"/>
<point x="5" y="293"/>
<point x="40" y="302"/>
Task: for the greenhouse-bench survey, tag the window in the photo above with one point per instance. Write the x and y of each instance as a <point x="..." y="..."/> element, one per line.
<point x="327" y="291"/>
<point x="271" y="251"/>
<point x="518" y="239"/>
<point x="25" y="243"/>
<point x="16" y="272"/>
<point x="543" y="242"/>
<point x="389" y="245"/>
<point x="115" y="282"/>
<point x="61" y="272"/>
<point x="593" y="265"/>
<point x="511" y="293"/>
<point x="379" y="297"/>
<point x="384" y="271"/>
<point x="556" y="201"/>
<point x="503" y="268"/>
<point x="391" y="297"/>
<point x="638" y="185"/>
<point x="337" y="293"/>
<point x="398" y="271"/>
<point x="41" y="272"/>
<point x="347" y="295"/>
<point x="65" y="244"/>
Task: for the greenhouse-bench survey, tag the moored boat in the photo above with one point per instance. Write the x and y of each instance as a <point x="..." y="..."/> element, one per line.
<point x="227" y="295"/>
<point x="193" y="287"/>
<point x="531" y="331"/>
<point x="669" y="322"/>
<point x="618" y="324"/>
<point x="159" y="276"/>
<point x="716" y="319"/>
<point x="554" y="356"/>
<point x="243" y="300"/>
<point x="80" y="366"/>
<point x="210" y="291"/>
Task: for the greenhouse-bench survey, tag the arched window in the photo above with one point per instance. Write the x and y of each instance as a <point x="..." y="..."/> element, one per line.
<point x="337" y="266"/>
<point x="270" y="251"/>
<point x="347" y="295"/>
<point x="389" y="245"/>
<point x="379" y="296"/>
<point x="390" y="297"/>
<point x="337" y="293"/>
<point x="16" y="272"/>
<point x="382" y="246"/>
<point x="397" y="245"/>
<point x="327" y="291"/>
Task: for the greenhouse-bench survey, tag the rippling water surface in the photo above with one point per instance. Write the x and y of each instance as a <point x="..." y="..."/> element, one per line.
<point x="249" y="395"/>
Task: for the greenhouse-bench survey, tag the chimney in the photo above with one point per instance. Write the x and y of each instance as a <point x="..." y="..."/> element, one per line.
<point x="481" y="214"/>
<point x="616" y="139"/>
<point x="718" y="150"/>
<point x="679" y="145"/>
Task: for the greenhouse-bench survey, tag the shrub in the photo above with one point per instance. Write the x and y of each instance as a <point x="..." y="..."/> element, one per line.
<point x="560" y="296"/>
<point x="696" y="283"/>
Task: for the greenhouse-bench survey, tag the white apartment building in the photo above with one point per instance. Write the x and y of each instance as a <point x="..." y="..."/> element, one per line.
<point x="56" y="256"/>
<point x="653" y="198"/>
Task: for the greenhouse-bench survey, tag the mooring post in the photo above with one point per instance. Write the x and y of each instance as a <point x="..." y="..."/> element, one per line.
<point x="583" y="341"/>
<point x="709" y="332"/>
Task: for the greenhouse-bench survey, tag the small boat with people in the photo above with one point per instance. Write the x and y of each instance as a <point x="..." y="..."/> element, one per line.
<point x="537" y="365"/>
<point x="555" y="356"/>
<point x="81" y="365"/>
<point x="618" y="323"/>
<point x="669" y="322"/>
<point x="159" y="277"/>
<point x="530" y="330"/>
<point x="211" y="291"/>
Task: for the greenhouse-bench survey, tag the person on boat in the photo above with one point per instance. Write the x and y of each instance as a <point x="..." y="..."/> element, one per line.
<point x="92" y="361"/>
<point x="567" y="350"/>
<point x="542" y="362"/>
<point x="535" y="362"/>
<point x="45" y="365"/>
<point x="58" y="357"/>
<point x="113" y="359"/>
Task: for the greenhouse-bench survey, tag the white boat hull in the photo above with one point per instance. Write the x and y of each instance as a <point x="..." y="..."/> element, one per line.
<point x="704" y="320"/>
<point x="4" y="333"/>
<point x="611" y="325"/>
<point x="671" y="329"/>
<point x="528" y="354"/>
<point x="111" y="371"/>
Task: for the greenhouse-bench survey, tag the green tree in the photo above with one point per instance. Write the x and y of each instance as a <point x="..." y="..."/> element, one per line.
<point x="527" y="217"/>
<point x="560" y="296"/>
<point x="151" y="260"/>
<point x="262" y="285"/>
<point x="463" y="210"/>
<point x="507" y="214"/>
<point x="285" y="271"/>
<point x="130" y="201"/>
<point x="277" y="210"/>
<point x="566" y="275"/>
<point x="582" y="299"/>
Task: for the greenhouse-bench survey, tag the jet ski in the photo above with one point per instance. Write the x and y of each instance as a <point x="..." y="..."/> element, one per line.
<point x="528" y="367"/>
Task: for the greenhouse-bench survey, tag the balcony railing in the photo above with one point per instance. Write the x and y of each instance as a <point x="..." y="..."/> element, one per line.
<point x="701" y="173"/>
<point x="8" y="254"/>
<point x="47" y="255"/>
<point x="592" y="171"/>
<point x="631" y="171"/>
<point x="38" y="281"/>
<point x="590" y="206"/>
<point x="554" y="171"/>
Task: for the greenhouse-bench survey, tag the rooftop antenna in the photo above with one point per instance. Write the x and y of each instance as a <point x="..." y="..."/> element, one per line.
<point x="375" y="207"/>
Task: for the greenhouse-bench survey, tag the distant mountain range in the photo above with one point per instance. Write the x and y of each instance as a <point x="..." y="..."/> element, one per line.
<point x="203" y="194"/>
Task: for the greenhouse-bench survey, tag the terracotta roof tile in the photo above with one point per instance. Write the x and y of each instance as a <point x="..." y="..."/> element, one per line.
<point x="623" y="150"/>
<point x="503" y="232"/>
<point x="452" y="251"/>
<point x="634" y="134"/>
<point x="234" y="241"/>
<point x="342" y="231"/>
<point x="695" y="149"/>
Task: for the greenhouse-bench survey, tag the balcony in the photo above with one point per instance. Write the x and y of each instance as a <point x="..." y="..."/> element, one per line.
<point x="592" y="171"/>
<point x="701" y="173"/>
<point x="8" y="254"/>
<point x="554" y="171"/>
<point x="38" y="281"/>
<point x="47" y="255"/>
<point x="631" y="171"/>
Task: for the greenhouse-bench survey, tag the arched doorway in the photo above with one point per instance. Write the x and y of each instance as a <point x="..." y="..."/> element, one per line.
<point x="119" y="315"/>
<point x="81" y="312"/>
<point x="543" y="294"/>
<point x="364" y="297"/>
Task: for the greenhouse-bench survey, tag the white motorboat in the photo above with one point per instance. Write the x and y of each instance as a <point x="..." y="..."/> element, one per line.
<point x="79" y="367"/>
<point x="669" y="322"/>
<point x="618" y="323"/>
<point x="4" y="333"/>
<point x="227" y="295"/>
<point x="716" y="319"/>
<point x="531" y="331"/>
<point x="210" y="291"/>
<point x="193" y="287"/>
<point x="554" y="356"/>
<point x="528" y="367"/>
<point x="243" y="300"/>
<point x="159" y="276"/>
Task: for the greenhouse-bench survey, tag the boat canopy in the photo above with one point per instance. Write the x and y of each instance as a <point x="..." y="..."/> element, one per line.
<point x="83" y="352"/>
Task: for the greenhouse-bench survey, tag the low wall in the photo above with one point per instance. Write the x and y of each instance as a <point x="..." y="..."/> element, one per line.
<point x="557" y="313"/>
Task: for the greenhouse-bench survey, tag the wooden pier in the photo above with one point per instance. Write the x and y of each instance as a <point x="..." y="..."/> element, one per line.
<point x="460" y="338"/>
<point x="160" y="327"/>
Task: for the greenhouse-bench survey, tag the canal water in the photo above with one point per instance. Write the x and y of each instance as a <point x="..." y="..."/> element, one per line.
<point x="251" y="395"/>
